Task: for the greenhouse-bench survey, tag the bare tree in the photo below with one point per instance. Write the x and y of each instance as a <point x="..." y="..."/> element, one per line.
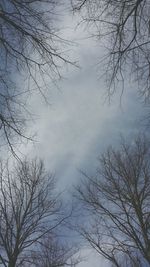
<point x="29" y="210"/>
<point x="53" y="253"/>
<point x="31" y="48"/>
<point x="124" y="27"/>
<point x="116" y="204"/>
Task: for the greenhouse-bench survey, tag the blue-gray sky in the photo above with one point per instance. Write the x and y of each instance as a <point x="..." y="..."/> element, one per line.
<point x="79" y="124"/>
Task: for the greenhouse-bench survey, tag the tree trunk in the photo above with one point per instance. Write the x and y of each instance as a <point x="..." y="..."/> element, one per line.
<point x="12" y="263"/>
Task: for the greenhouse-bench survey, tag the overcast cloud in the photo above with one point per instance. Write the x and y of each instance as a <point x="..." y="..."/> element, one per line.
<point x="79" y="124"/>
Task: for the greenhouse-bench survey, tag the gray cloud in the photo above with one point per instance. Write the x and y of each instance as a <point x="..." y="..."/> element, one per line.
<point x="79" y="124"/>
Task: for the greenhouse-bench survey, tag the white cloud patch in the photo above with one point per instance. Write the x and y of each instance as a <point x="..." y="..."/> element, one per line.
<point x="91" y="258"/>
<point x="74" y="130"/>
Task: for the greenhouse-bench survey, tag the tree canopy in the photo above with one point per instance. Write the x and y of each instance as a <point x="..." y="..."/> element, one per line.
<point x="124" y="27"/>
<point x="31" y="49"/>
<point x="116" y="202"/>
<point x="30" y="212"/>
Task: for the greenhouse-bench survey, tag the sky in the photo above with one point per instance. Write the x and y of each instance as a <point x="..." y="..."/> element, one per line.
<point x="80" y="123"/>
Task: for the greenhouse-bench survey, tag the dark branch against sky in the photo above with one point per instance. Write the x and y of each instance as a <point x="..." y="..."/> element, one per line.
<point x="79" y="123"/>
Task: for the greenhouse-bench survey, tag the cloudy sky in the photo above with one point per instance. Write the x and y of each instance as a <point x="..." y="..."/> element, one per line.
<point x="79" y="123"/>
